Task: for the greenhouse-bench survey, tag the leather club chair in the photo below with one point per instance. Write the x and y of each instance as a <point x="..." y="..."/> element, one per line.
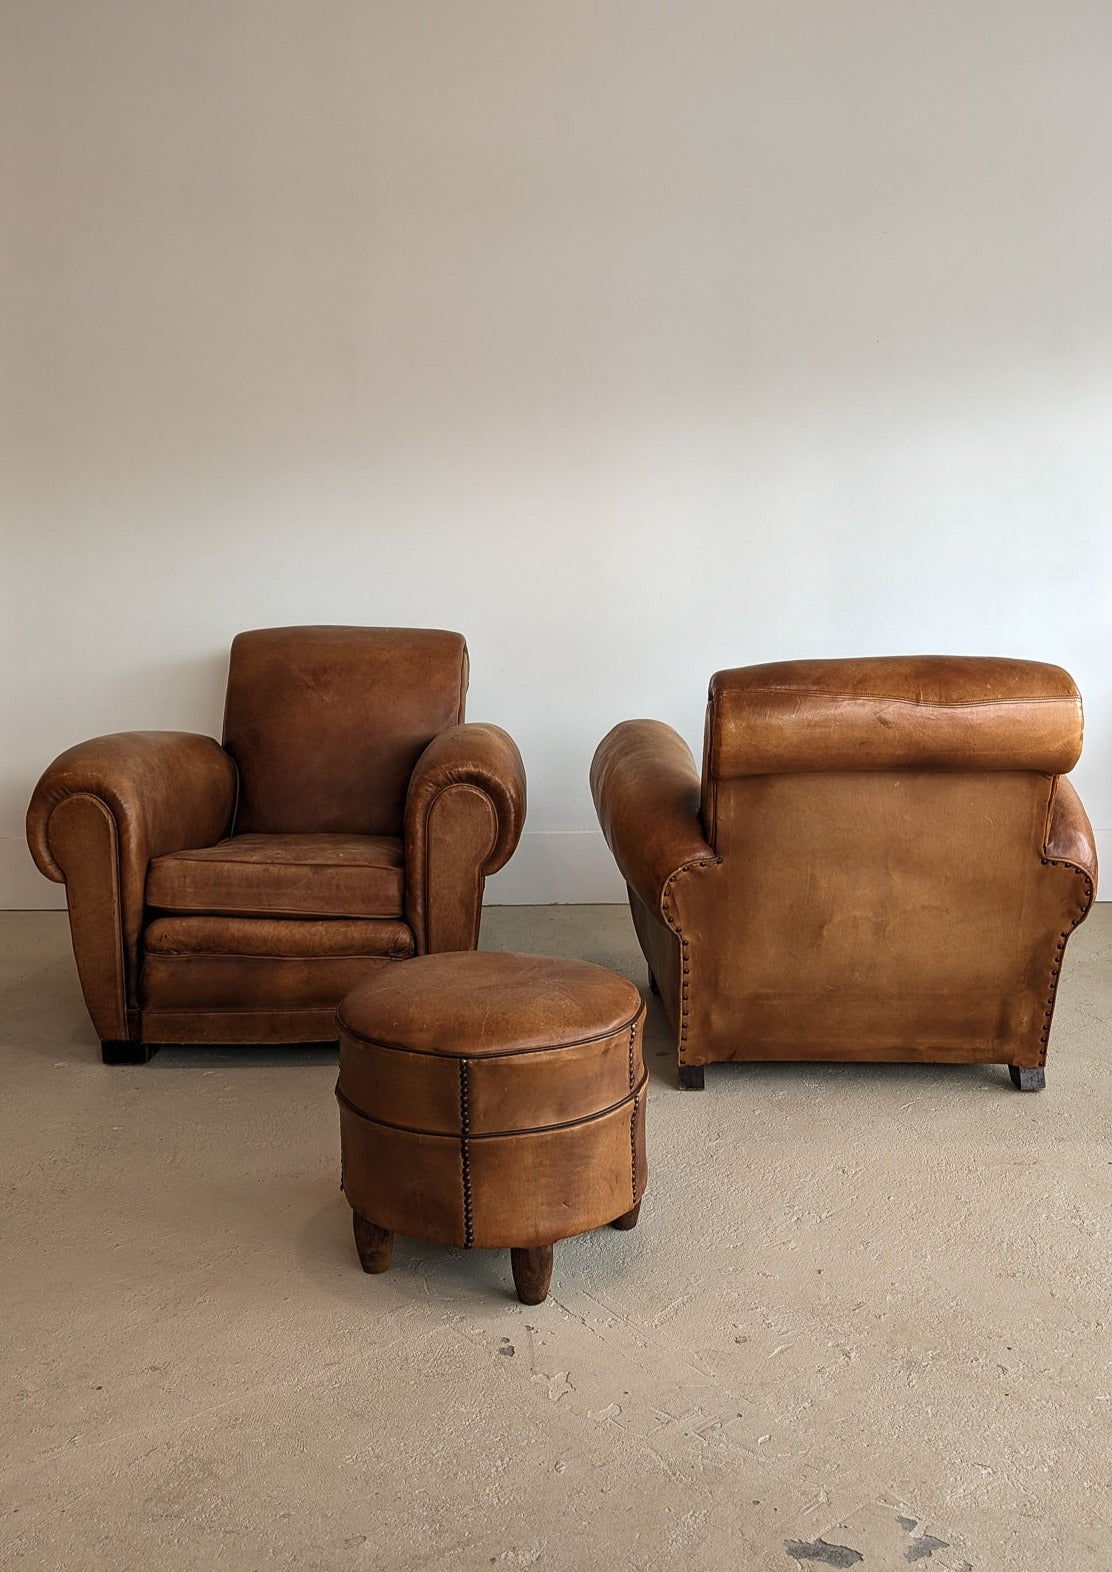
<point x="882" y="860"/>
<point x="234" y="893"/>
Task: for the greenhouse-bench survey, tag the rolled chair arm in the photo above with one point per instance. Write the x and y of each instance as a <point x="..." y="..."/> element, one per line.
<point x="646" y="790"/>
<point x="98" y="815"/>
<point x="1069" y="835"/>
<point x="464" y="814"/>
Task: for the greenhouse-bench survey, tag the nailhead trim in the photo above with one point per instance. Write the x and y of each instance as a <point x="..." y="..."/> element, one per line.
<point x="465" y="1156"/>
<point x="1056" y="966"/>
<point x="685" y="954"/>
<point x="633" y="1149"/>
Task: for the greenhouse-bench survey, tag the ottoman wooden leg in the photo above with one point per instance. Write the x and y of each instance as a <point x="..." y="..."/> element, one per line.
<point x="628" y="1219"/>
<point x="373" y="1243"/>
<point x="532" y="1271"/>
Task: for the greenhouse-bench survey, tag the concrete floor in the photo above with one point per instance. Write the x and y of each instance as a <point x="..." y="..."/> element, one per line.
<point x="864" y="1320"/>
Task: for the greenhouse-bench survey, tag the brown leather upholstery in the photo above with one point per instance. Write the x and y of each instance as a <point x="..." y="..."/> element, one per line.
<point x="880" y="861"/>
<point x="492" y="1100"/>
<point x="234" y="894"/>
<point x="326" y="724"/>
<point x="284" y="876"/>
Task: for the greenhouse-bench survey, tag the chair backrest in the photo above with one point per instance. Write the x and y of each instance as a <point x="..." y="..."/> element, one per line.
<point x="881" y="825"/>
<point x="325" y="724"/>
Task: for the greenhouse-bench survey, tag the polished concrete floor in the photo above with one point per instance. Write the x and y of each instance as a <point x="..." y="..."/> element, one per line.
<point x="866" y="1319"/>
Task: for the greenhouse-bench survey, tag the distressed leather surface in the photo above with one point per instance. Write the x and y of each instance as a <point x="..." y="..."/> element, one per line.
<point x="492" y="1100"/>
<point x="284" y="876"/>
<point x="184" y="932"/>
<point x="97" y="817"/>
<point x="888" y="911"/>
<point x="326" y="724"/>
<point x="892" y="712"/>
<point x="464" y="814"/>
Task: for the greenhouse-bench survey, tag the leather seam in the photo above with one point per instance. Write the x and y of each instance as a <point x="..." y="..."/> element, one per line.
<point x="440" y="792"/>
<point x="205" y="1012"/>
<point x="211" y="909"/>
<point x="470" y="1135"/>
<point x="465" y="1157"/>
<point x="261" y="862"/>
<point x="1059" y="948"/>
<point x="685" y="953"/>
<point x="121" y="953"/>
<point x="500" y="1053"/>
<point x="824" y="695"/>
<point x="240" y="956"/>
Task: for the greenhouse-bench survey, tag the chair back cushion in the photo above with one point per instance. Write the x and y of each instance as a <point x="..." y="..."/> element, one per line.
<point x="326" y="724"/>
<point x="914" y="712"/>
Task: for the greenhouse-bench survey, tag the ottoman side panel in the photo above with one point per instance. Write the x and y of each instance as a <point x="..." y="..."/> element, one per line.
<point x="545" y="1185"/>
<point x="516" y="1091"/>
<point x="402" y="1180"/>
<point x="417" y="1091"/>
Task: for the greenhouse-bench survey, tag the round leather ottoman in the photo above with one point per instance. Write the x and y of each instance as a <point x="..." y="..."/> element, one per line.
<point x="491" y="1100"/>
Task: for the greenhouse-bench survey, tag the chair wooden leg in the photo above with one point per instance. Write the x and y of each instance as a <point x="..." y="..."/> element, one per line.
<point x="691" y="1077"/>
<point x="373" y="1243"/>
<point x="532" y="1271"/>
<point x="628" y="1219"/>
<point x="112" y="1052"/>
<point x="1027" y="1080"/>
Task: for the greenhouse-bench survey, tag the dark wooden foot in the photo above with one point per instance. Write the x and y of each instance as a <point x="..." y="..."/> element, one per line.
<point x="628" y="1219"/>
<point x="654" y="986"/>
<point x="691" y="1077"/>
<point x="373" y="1243"/>
<point x="1025" y="1080"/>
<point x="532" y="1271"/>
<point x="125" y="1053"/>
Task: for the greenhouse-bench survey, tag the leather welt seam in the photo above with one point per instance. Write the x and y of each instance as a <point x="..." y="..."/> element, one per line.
<point x="125" y="983"/>
<point x="465" y="1157"/>
<point x="272" y="914"/>
<point x="224" y="955"/>
<point x="205" y="1012"/>
<point x="196" y="860"/>
<point x="492" y="1135"/>
<point x="685" y="954"/>
<point x="498" y="1053"/>
<point x="826" y="697"/>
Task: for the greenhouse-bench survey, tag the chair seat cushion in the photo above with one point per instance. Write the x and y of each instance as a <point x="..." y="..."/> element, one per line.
<point x="283" y="876"/>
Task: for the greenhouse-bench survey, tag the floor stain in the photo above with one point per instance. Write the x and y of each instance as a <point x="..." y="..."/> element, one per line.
<point x="925" y="1546"/>
<point x="819" y="1551"/>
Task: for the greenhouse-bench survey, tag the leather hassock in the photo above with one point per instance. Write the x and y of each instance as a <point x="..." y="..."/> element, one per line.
<point x="492" y="1100"/>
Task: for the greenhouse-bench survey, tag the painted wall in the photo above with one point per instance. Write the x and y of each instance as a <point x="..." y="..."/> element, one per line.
<point x="632" y="339"/>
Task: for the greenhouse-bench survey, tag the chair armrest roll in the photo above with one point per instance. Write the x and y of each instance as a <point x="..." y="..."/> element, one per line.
<point x="646" y="789"/>
<point x="464" y="814"/>
<point x="98" y="815"/>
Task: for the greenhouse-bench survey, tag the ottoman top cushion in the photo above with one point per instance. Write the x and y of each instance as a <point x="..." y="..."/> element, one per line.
<point x="483" y="1002"/>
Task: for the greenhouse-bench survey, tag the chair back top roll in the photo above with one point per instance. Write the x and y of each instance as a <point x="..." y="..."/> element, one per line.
<point x="326" y="724"/>
<point x="929" y="712"/>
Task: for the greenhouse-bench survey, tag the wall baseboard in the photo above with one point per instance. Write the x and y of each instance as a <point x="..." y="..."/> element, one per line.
<point x="550" y="867"/>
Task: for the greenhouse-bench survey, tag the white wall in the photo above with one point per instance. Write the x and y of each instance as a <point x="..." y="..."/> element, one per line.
<point x="632" y="339"/>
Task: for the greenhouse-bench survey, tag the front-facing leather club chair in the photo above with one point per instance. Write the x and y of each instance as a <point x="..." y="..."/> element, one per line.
<point x="234" y="893"/>
<point x="882" y="860"/>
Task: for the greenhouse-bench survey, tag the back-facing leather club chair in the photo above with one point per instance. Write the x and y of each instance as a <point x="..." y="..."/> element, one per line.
<point x="234" y="893"/>
<point x="882" y="860"/>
